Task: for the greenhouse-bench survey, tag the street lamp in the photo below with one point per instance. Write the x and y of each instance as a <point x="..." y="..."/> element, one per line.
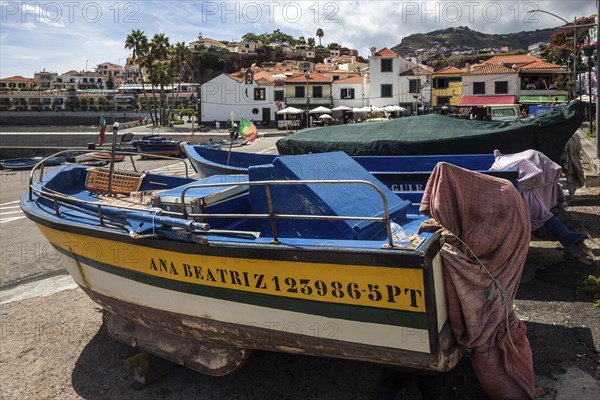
<point x="597" y="80"/>
<point x="574" y="26"/>
<point x="589" y="52"/>
<point x="306" y="75"/>
<point x="574" y="38"/>
<point x="416" y="97"/>
<point x="421" y="88"/>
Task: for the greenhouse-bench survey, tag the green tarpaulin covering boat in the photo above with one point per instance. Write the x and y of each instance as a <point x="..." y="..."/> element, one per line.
<point x="435" y="134"/>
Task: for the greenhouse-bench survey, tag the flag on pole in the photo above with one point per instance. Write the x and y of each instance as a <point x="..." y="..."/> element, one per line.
<point x="248" y="130"/>
<point x="102" y="130"/>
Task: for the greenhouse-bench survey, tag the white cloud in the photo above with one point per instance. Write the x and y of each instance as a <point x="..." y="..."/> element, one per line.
<point x="48" y="14"/>
<point x="62" y="35"/>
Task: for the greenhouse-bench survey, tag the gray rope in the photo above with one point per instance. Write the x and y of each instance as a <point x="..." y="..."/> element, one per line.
<point x="493" y="286"/>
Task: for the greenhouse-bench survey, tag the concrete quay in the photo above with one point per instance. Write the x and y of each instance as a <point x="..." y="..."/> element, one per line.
<point x="28" y="144"/>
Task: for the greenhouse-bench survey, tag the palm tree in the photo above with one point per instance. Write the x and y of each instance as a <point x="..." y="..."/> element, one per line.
<point x="311" y="42"/>
<point x="320" y="34"/>
<point x="156" y="62"/>
<point x="181" y="56"/>
<point x="137" y="42"/>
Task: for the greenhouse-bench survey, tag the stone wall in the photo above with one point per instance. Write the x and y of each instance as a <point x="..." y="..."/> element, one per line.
<point x="64" y="118"/>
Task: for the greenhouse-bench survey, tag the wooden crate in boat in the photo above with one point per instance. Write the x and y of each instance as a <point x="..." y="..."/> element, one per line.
<point x="123" y="182"/>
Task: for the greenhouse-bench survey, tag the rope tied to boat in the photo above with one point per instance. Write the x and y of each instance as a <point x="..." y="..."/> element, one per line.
<point x="494" y="285"/>
<point x="154" y="223"/>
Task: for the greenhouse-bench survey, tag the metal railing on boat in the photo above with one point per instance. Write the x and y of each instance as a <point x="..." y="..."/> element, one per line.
<point x="182" y="219"/>
<point x="41" y="164"/>
<point x="273" y="216"/>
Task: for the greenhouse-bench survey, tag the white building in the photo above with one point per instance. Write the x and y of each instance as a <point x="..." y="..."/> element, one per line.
<point x="386" y="68"/>
<point x="209" y="44"/>
<point x="415" y="88"/>
<point x="304" y="50"/>
<point x="351" y="91"/>
<point x="248" y="47"/>
<point x="80" y="80"/>
<point x="536" y="48"/>
<point x="229" y="93"/>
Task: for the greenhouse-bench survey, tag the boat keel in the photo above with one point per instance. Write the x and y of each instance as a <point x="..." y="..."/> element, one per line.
<point x="208" y="358"/>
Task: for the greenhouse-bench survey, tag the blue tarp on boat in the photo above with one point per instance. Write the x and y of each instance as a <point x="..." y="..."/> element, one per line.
<point x="316" y="199"/>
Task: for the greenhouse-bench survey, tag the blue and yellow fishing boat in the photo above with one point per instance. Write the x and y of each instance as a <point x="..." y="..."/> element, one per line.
<point x="203" y="271"/>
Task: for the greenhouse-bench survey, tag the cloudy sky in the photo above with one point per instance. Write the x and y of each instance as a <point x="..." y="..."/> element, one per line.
<point x="72" y="34"/>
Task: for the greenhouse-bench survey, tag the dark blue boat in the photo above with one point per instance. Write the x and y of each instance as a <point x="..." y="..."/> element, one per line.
<point x="438" y="134"/>
<point x="29" y="163"/>
<point x="407" y="175"/>
<point x="157" y="145"/>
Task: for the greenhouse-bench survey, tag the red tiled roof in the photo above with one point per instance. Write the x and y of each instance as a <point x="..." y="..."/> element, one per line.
<point x="351" y="79"/>
<point x="207" y="40"/>
<point x="448" y="70"/>
<point x="261" y="77"/>
<point x="539" y="64"/>
<point x="416" y="71"/>
<point x="109" y="64"/>
<point x="313" y="77"/>
<point x="263" y="81"/>
<point x="18" y="78"/>
<point x="324" y="67"/>
<point x="511" y="59"/>
<point x="236" y="76"/>
<point x="263" y="74"/>
<point x="385" y="52"/>
<point x="488" y="69"/>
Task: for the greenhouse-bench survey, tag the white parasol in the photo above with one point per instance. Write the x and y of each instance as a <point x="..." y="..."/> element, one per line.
<point x="290" y="110"/>
<point x="320" y="110"/>
<point x="393" y="108"/>
<point x="342" y="108"/>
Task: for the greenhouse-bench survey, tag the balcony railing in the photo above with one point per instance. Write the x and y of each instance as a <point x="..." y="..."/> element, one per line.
<point x="538" y="92"/>
<point x="311" y="101"/>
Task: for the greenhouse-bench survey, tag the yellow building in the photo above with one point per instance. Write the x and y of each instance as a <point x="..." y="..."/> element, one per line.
<point x="447" y="87"/>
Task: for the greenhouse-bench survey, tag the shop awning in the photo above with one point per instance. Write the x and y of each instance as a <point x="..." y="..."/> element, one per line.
<point x="542" y="99"/>
<point x="485" y="101"/>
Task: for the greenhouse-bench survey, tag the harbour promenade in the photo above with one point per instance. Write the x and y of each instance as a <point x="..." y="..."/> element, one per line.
<point x="27" y="143"/>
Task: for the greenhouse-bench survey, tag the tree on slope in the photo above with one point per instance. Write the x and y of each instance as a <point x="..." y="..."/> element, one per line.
<point x="320" y="34"/>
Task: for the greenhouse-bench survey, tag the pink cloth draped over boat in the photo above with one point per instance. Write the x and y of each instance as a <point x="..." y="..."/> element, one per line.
<point x="487" y="213"/>
<point x="538" y="182"/>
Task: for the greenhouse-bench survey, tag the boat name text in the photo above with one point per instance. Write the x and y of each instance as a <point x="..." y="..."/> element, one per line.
<point x="376" y="293"/>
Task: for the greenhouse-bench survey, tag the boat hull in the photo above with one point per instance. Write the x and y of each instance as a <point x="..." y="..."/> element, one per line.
<point x="402" y="174"/>
<point x="29" y="163"/>
<point x="159" y="149"/>
<point x="437" y="134"/>
<point x="231" y="300"/>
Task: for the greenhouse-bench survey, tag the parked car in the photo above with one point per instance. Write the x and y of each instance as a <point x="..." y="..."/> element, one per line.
<point x="505" y="113"/>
